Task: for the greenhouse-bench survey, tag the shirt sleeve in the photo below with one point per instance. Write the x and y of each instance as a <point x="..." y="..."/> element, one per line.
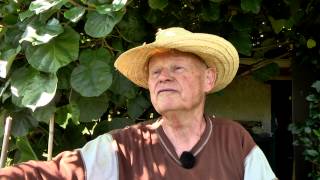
<point x="257" y="166"/>
<point x="66" y="165"/>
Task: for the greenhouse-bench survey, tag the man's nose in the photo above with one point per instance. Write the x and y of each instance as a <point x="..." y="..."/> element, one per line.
<point x="165" y="75"/>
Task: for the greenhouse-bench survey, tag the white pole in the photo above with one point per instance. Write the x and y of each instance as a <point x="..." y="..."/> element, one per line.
<point x="50" y="140"/>
<point x="5" y="142"/>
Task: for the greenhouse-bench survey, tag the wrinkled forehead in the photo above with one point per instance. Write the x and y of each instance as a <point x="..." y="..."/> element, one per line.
<point x="174" y="53"/>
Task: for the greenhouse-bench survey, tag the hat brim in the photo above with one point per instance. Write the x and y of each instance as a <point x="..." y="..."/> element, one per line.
<point x="214" y="51"/>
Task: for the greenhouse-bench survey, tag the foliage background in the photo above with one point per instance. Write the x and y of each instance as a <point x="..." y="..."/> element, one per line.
<point x="56" y="58"/>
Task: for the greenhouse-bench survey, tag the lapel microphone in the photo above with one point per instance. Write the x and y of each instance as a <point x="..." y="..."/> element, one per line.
<point x="187" y="160"/>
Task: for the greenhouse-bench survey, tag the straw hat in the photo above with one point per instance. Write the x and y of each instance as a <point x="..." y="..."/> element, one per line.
<point x="214" y="51"/>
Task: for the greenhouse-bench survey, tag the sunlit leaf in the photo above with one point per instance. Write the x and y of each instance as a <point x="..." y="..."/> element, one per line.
<point x="115" y="6"/>
<point x="42" y="34"/>
<point x="39" y="6"/>
<point x="100" y="25"/>
<point x="158" y="4"/>
<point x="59" y="52"/>
<point x="6" y="59"/>
<point x="74" y="14"/>
<point x="316" y="85"/>
<point x="32" y="89"/>
<point x="25" y="150"/>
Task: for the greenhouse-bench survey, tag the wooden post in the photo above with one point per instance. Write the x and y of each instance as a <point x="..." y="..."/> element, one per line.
<point x="5" y="142"/>
<point x="50" y="140"/>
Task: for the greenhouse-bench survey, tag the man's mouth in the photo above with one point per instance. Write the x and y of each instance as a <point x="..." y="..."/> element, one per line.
<point x="166" y="90"/>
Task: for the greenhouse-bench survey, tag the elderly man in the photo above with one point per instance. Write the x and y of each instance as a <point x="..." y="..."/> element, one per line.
<point x="179" y="69"/>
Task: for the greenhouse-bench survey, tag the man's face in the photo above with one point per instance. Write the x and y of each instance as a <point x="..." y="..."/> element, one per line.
<point x="178" y="81"/>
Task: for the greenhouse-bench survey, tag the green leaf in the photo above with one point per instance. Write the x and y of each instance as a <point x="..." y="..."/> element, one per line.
<point x="42" y="34"/>
<point x="25" y="14"/>
<point x="25" y="149"/>
<point x="251" y="6"/>
<point x="132" y="27"/>
<point x="91" y="108"/>
<point x="32" y="89"/>
<point x="94" y="75"/>
<point x="241" y="40"/>
<point x="63" y="115"/>
<point x="210" y="12"/>
<point x="122" y="86"/>
<point x="316" y="132"/>
<point x="316" y="85"/>
<point x="39" y="6"/>
<point x="266" y="72"/>
<point x="59" y="52"/>
<point x="242" y="23"/>
<point x="311" y="43"/>
<point x="158" y="4"/>
<point x="22" y="122"/>
<point x="137" y="106"/>
<point x="6" y="59"/>
<point x="311" y="152"/>
<point x="44" y="114"/>
<point x="88" y="56"/>
<point x="115" y="6"/>
<point x="279" y="24"/>
<point x="100" y="25"/>
<point x="74" y="14"/>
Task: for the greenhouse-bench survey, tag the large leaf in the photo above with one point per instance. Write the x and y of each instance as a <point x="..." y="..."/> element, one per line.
<point x="279" y="24"/>
<point x="316" y="85"/>
<point x="210" y="12"/>
<point x="25" y="150"/>
<point x="251" y="6"/>
<point x="100" y="25"/>
<point x="132" y="27"/>
<point x="91" y="108"/>
<point x="158" y="4"/>
<point x="22" y="122"/>
<point x="242" y="42"/>
<point x="242" y="23"/>
<point x="32" y="89"/>
<point x="39" y="6"/>
<point x="93" y="76"/>
<point x="44" y="114"/>
<point x="37" y="34"/>
<point x="74" y="14"/>
<point x="6" y="59"/>
<point x="122" y="86"/>
<point x="137" y="106"/>
<point x="115" y="6"/>
<point x="59" y="52"/>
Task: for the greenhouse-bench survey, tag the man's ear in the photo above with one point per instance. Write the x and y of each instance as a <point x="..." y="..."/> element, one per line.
<point x="210" y="78"/>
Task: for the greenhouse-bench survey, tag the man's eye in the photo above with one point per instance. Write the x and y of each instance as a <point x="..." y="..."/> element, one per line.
<point x="178" y="68"/>
<point x="156" y="72"/>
